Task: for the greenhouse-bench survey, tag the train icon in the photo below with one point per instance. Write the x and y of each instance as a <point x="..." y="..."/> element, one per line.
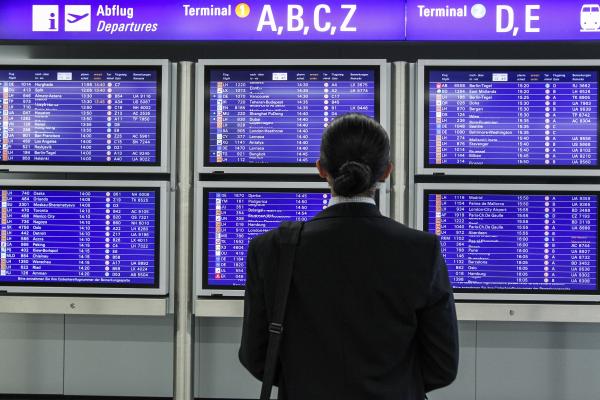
<point x="590" y="18"/>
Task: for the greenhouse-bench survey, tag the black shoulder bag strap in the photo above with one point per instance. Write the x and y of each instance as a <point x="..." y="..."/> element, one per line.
<point x="289" y="233"/>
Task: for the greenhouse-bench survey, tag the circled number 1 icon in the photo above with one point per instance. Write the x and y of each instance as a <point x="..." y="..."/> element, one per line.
<point x="242" y="10"/>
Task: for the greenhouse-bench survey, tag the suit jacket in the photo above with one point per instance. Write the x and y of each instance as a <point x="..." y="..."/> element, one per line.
<point x="370" y="313"/>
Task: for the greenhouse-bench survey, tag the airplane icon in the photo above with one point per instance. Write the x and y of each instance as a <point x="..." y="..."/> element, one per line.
<point x="78" y="18"/>
<point x="75" y="18"/>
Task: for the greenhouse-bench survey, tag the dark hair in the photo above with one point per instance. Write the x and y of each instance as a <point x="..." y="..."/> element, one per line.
<point x="355" y="150"/>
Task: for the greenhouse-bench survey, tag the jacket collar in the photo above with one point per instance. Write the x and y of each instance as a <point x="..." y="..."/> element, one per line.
<point x="349" y="210"/>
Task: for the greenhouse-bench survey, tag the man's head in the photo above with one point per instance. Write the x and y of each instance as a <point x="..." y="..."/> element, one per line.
<point x="355" y="155"/>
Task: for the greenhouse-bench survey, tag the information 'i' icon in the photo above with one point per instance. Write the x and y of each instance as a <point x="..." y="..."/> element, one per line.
<point x="242" y="10"/>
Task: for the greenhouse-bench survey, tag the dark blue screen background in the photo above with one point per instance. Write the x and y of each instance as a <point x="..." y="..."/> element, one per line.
<point x="514" y="118"/>
<point x="79" y="237"/>
<point x="74" y="116"/>
<point x="235" y="217"/>
<point x="277" y="116"/>
<point x="494" y="241"/>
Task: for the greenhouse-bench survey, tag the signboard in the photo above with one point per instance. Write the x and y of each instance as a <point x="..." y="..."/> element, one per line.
<point x="201" y="20"/>
<point x="503" y="20"/>
<point x="300" y="20"/>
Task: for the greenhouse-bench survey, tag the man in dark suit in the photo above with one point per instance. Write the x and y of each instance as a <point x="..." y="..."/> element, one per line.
<point x="370" y="312"/>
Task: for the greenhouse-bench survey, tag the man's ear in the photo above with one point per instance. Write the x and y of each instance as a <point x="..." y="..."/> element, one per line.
<point x="322" y="171"/>
<point x="388" y="172"/>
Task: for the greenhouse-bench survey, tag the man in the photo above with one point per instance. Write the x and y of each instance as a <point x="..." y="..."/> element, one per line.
<point x="370" y="312"/>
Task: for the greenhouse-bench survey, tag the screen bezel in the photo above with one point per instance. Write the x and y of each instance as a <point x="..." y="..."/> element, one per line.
<point x="202" y="288"/>
<point x="421" y="217"/>
<point x="163" y="101"/>
<point x="202" y="164"/>
<point x="161" y="257"/>
<point x="420" y="143"/>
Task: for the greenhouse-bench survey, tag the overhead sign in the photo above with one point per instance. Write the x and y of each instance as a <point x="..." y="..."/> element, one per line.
<point x="300" y="20"/>
<point x="503" y="20"/>
<point x="202" y="20"/>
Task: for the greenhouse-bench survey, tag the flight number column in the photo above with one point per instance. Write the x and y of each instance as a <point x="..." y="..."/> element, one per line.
<point x="448" y="116"/>
<point x="231" y="238"/>
<point x="231" y="115"/>
<point x="450" y="225"/>
<point x="4" y="122"/>
<point x="17" y="239"/>
<point x="18" y="136"/>
<point x="4" y="232"/>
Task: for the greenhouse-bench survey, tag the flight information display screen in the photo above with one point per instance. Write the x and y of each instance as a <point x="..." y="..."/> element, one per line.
<point x="233" y="217"/>
<point x="276" y="117"/>
<point x="81" y="116"/>
<point x="105" y="237"/>
<point x="502" y="118"/>
<point x="527" y="241"/>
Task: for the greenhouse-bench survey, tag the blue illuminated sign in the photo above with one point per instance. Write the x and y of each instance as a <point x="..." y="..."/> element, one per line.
<point x="308" y="20"/>
<point x="439" y="20"/>
<point x="202" y="21"/>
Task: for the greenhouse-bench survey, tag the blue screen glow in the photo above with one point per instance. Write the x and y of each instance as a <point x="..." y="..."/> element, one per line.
<point x="278" y="116"/>
<point x="519" y="241"/>
<point x="517" y="118"/>
<point x="79" y="237"/>
<point x="80" y="116"/>
<point x="234" y="217"/>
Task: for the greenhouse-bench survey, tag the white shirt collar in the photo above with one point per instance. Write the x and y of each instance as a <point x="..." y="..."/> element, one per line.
<point x="354" y="199"/>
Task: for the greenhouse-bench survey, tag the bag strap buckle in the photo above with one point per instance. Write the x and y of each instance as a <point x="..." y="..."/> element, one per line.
<point x="275" y="328"/>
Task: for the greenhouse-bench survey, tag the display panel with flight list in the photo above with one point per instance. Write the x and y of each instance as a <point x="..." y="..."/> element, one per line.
<point x="532" y="242"/>
<point x="523" y="118"/>
<point x="276" y="117"/>
<point x="80" y="116"/>
<point x="86" y="237"/>
<point x="233" y="217"/>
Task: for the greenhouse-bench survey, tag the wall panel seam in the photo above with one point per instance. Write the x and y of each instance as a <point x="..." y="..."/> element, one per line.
<point x="476" y="351"/>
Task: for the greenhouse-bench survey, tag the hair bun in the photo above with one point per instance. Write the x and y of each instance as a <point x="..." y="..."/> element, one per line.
<point x="353" y="178"/>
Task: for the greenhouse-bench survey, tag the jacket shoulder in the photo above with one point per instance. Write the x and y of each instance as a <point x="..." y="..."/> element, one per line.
<point x="268" y="241"/>
<point x="265" y="240"/>
<point x="408" y="233"/>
